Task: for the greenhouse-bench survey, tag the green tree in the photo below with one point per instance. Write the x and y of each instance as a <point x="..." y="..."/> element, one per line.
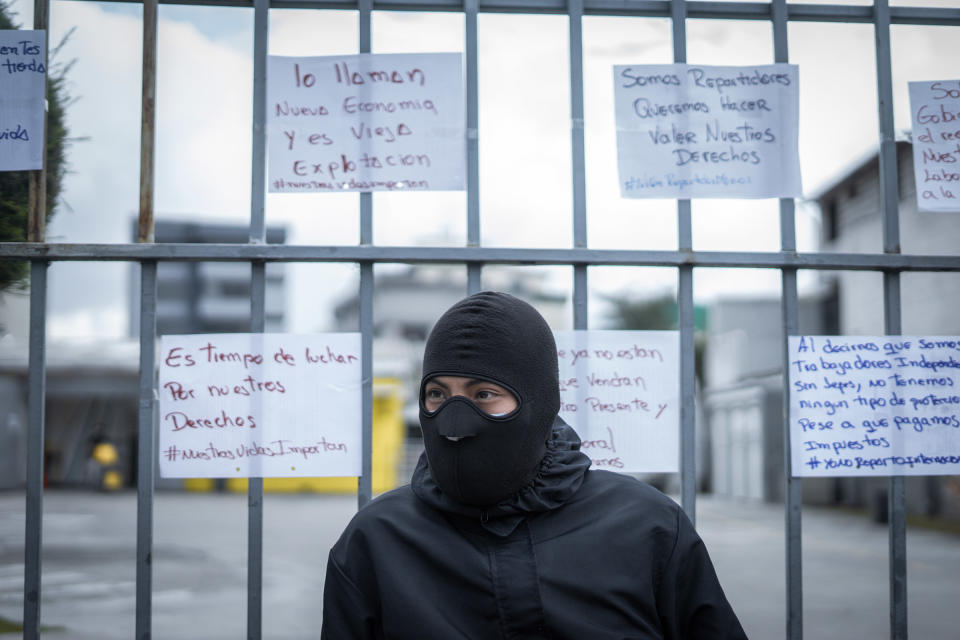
<point x="655" y="314"/>
<point x="649" y="314"/>
<point x="14" y="185"/>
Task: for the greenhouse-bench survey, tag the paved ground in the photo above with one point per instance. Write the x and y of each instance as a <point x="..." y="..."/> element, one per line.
<point x="200" y="566"/>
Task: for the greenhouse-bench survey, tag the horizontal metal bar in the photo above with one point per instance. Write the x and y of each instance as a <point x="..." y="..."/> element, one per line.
<point x="924" y="16"/>
<point x="471" y="255"/>
<point x="637" y="8"/>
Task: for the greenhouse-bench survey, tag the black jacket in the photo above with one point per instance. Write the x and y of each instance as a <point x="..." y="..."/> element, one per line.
<point x="581" y="554"/>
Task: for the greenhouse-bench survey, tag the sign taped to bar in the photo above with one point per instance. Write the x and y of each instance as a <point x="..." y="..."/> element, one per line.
<point x="367" y="122"/>
<point x="689" y="131"/>
<point x="874" y="405"/>
<point x="620" y="390"/>
<point x="23" y="75"/>
<point x="259" y="405"/>
<point x="935" y="112"/>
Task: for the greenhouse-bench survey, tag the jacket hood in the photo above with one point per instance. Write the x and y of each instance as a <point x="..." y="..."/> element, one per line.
<point x="561" y="472"/>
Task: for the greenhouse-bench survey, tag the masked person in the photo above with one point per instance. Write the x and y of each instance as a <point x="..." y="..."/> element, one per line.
<point x="504" y="531"/>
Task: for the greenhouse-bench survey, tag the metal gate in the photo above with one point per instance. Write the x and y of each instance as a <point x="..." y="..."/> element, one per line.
<point x="778" y="13"/>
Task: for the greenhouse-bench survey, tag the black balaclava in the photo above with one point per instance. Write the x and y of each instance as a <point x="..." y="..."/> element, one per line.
<point x="499" y="338"/>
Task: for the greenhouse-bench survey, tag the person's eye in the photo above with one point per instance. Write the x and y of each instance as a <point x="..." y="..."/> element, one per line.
<point x="435" y="395"/>
<point x="489" y="396"/>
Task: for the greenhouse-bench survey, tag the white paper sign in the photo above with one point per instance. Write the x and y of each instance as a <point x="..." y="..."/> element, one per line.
<point x="383" y="122"/>
<point x="259" y="405"/>
<point x="874" y="406"/>
<point x="620" y="390"/>
<point x="687" y="131"/>
<point x="22" y="85"/>
<point x="935" y="110"/>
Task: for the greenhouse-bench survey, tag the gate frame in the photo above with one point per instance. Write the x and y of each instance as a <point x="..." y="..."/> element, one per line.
<point x="778" y="12"/>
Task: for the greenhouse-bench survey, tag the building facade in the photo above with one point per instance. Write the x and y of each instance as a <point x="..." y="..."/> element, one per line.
<point x="744" y="394"/>
<point x="208" y="297"/>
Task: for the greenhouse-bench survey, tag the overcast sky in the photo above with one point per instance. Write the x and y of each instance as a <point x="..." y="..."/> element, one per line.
<point x="204" y="97"/>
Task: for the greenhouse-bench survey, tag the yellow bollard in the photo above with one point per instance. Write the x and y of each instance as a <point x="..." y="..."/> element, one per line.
<point x="388" y="434"/>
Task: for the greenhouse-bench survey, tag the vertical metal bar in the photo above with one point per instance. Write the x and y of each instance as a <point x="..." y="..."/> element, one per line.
<point x="37" y="376"/>
<point x="473" y="143"/>
<point x="41" y="21"/>
<point x="793" y="489"/>
<point x="580" y="297"/>
<point x="889" y="204"/>
<point x="365" y="482"/>
<point x="688" y="443"/>
<point x="36" y="398"/>
<point x="261" y="27"/>
<point x="365" y="8"/>
<point x="148" y="329"/>
<point x="37" y="180"/>
<point x="37" y="195"/>
<point x="575" y="10"/>
<point x="890" y="198"/>
<point x="255" y="485"/>
<point x="148" y="102"/>
<point x="37" y="198"/>
<point x="145" y="447"/>
<point x="678" y="18"/>
<point x="474" y="278"/>
<point x="258" y="287"/>
<point x="896" y="496"/>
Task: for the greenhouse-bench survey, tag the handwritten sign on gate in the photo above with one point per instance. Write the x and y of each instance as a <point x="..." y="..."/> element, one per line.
<point x="259" y="405"/>
<point x="22" y="84"/>
<point x="620" y="390"/>
<point x="874" y="406"/>
<point x="935" y="110"/>
<point x="686" y="131"/>
<point x="383" y="122"/>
